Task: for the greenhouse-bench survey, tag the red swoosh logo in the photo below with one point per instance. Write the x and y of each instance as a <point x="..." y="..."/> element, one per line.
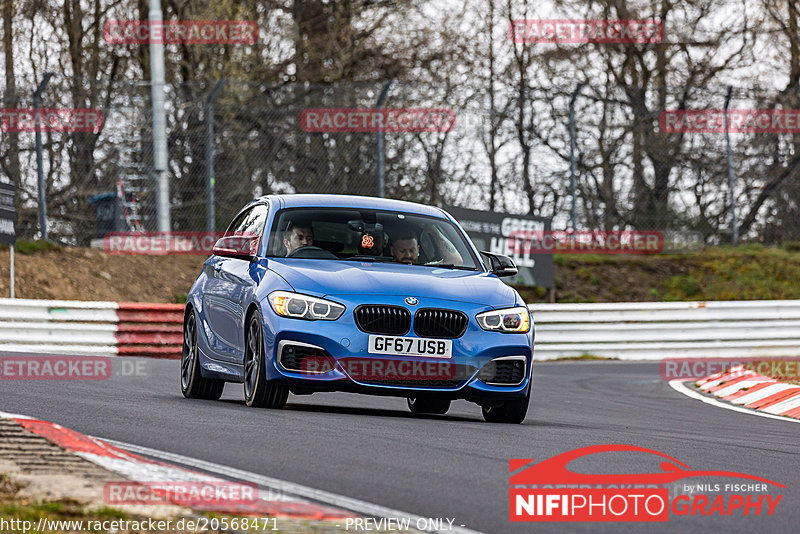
<point x="554" y="470"/>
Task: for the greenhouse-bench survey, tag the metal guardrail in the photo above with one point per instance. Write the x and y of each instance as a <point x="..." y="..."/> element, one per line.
<point x="90" y="328"/>
<point x="58" y="327"/>
<point x="657" y="330"/>
<point x="628" y="331"/>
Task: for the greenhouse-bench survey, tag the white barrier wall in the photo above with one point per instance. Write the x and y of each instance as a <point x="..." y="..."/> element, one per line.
<point x="90" y="328"/>
<point x="629" y="331"/>
<point x="657" y="330"/>
<point x="58" y="327"/>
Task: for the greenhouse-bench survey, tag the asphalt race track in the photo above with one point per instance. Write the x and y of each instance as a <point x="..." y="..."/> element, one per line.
<point x="455" y="466"/>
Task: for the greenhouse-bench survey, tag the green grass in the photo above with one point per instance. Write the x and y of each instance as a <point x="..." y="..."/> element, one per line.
<point x="37" y="510"/>
<point x="112" y="513"/>
<point x="33" y="247"/>
<point x="747" y="272"/>
<point x="55" y="510"/>
<point x="750" y="272"/>
<point x="69" y="510"/>
<point x="31" y="511"/>
<point x="683" y="287"/>
<point x="11" y="507"/>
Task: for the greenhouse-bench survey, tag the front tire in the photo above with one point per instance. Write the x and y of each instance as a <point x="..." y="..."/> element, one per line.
<point x="193" y="384"/>
<point x="258" y="391"/>
<point x="511" y="411"/>
<point x="421" y="405"/>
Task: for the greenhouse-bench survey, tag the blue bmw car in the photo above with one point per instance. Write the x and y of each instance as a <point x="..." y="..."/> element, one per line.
<point x="311" y="293"/>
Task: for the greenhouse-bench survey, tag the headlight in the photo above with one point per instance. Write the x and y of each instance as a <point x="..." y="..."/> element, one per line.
<point x="297" y="306"/>
<point x="510" y="320"/>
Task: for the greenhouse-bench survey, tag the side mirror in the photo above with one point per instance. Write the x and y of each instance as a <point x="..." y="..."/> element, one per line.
<point x="500" y="265"/>
<point x="243" y="247"/>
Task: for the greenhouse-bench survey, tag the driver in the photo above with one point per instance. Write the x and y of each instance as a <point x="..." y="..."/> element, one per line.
<point x="297" y="236"/>
<point x="405" y="248"/>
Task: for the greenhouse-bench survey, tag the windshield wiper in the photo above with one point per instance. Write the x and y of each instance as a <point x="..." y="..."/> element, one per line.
<point x="384" y="259"/>
<point x="451" y="266"/>
<point x="368" y="258"/>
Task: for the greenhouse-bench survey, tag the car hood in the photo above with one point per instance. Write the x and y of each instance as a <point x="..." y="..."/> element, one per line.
<point x="331" y="277"/>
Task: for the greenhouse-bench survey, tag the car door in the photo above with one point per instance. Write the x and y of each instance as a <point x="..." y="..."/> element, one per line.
<point x="229" y="281"/>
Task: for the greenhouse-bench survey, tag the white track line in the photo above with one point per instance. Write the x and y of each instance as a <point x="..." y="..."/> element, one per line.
<point x="679" y="386"/>
<point x="7" y="415"/>
<point x="348" y="503"/>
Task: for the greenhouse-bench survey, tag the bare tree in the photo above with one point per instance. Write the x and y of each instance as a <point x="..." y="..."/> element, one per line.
<point x="10" y="160"/>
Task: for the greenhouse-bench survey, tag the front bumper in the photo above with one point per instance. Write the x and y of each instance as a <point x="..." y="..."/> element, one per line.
<point x="351" y="368"/>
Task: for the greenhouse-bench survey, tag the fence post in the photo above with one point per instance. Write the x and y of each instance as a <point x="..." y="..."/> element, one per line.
<point x="731" y="193"/>
<point x="572" y="171"/>
<point x="37" y="103"/>
<point x="12" y="270"/>
<point x="210" y="180"/>
<point x="379" y="136"/>
<point x="159" y="120"/>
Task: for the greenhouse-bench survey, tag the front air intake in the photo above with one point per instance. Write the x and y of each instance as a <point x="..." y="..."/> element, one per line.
<point x="381" y="319"/>
<point x="503" y="372"/>
<point x="304" y="358"/>
<point x="447" y="324"/>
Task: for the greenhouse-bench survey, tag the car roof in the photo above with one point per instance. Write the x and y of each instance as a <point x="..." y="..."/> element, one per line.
<point x="352" y="201"/>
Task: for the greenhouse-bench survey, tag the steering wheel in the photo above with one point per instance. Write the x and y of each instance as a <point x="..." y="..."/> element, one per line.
<point x="312" y="252"/>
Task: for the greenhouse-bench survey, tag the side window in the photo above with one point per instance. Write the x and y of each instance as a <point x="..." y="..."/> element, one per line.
<point x="427" y="249"/>
<point x="249" y="222"/>
<point x="257" y="221"/>
<point x="237" y="223"/>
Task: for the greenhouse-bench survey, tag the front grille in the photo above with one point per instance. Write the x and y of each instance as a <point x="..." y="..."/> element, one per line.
<point x="509" y="372"/>
<point x="448" y="324"/>
<point x="387" y="320"/>
<point x="459" y="377"/>
<point x="305" y="359"/>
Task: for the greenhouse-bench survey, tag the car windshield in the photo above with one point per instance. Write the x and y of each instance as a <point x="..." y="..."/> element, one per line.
<point x="369" y="235"/>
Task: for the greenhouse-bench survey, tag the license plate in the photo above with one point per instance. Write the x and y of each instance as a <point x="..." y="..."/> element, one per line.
<point x="411" y="346"/>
